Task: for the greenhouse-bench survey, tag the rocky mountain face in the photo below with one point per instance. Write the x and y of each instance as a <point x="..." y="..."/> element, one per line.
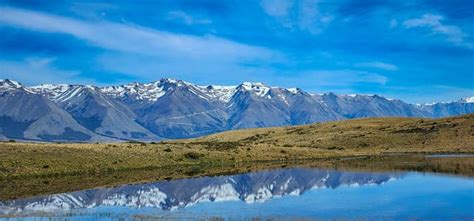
<point x="96" y="111"/>
<point x="29" y="116"/>
<point x="169" y="109"/>
<point x="253" y="187"/>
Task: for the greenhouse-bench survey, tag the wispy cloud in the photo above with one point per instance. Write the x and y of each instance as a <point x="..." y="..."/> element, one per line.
<point x="165" y="52"/>
<point x="433" y="22"/>
<point x="302" y="15"/>
<point x="378" y="65"/>
<point x="311" y="17"/>
<point x="136" y="39"/>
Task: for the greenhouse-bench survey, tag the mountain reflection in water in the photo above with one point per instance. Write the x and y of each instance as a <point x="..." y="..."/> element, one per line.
<point x="170" y="195"/>
<point x="284" y="194"/>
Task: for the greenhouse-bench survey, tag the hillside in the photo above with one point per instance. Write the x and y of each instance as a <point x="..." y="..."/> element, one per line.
<point x="377" y="134"/>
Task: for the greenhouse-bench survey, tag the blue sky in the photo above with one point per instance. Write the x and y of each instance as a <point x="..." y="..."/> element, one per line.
<point x="418" y="51"/>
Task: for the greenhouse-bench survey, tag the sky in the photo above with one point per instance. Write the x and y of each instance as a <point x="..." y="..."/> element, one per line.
<point x="419" y="51"/>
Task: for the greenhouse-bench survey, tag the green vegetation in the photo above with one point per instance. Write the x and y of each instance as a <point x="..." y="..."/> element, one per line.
<point x="37" y="168"/>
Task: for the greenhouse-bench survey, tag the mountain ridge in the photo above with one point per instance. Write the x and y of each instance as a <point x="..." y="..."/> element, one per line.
<point x="173" y="109"/>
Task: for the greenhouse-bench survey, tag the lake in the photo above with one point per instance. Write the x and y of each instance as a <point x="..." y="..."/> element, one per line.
<point x="280" y="194"/>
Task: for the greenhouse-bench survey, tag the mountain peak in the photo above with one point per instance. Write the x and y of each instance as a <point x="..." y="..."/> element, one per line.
<point x="252" y="84"/>
<point x="9" y="84"/>
<point x="170" y="80"/>
<point x="329" y="94"/>
<point x="148" y="92"/>
<point x="257" y="87"/>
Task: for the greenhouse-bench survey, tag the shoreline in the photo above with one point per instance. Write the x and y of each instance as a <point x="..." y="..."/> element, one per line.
<point x="26" y="187"/>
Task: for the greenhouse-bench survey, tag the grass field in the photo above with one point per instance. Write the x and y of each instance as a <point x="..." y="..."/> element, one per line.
<point x="38" y="168"/>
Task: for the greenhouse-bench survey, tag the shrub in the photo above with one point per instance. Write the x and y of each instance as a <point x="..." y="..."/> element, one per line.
<point x="192" y="156"/>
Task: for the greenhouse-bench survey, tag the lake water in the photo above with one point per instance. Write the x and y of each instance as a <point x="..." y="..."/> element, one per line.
<point x="282" y="194"/>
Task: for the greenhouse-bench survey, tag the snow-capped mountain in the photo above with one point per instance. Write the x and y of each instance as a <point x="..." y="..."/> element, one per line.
<point x="9" y="85"/>
<point x="30" y="116"/>
<point x="183" y="111"/>
<point x="171" y="108"/>
<point x="467" y="100"/>
<point x="96" y="111"/>
<point x="256" y="187"/>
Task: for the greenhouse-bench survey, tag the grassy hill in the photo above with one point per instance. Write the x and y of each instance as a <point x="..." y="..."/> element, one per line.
<point x="37" y="168"/>
<point x="362" y="135"/>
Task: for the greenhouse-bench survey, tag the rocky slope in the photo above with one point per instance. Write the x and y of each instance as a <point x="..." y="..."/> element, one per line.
<point x="26" y="115"/>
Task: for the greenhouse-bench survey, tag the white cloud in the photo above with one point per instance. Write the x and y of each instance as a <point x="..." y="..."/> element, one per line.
<point x="128" y="46"/>
<point x="136" y="39"/>
<point x="378" y="65"/>
<point x="310" y="17"/>
<point x="453" y="33"/>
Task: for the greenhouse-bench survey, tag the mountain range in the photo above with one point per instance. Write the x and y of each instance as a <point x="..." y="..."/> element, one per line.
<point x="172" y="109"/>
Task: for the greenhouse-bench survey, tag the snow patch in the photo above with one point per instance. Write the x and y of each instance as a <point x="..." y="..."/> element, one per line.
<point x="55" y="203"/>
<point x="149" y="92"/>
<point x="293" y="90"/>
<point x="218" y="92"/>
<point x="143" y="198"/>
<point x="219" y="193"/>
<point x="263" y="194"/>
<point x="467" y="100"/>
<point x="258" y="88"/>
